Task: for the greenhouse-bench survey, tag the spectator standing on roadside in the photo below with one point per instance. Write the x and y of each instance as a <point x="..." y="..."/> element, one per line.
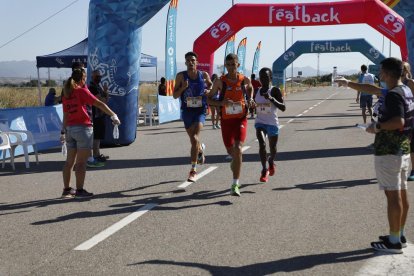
<point x="98" y="119"/>
<point x="162" y="88"/>
<point x="215" y="111"/>
<point x="365" y="99"/>
<point x="77" y="131"/>
<point x="407" y="79"/>
<point x="51" y="97"/>
<point x="393" y="133"/>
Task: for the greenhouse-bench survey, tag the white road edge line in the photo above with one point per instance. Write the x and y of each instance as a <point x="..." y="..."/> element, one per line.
<point x="114" y="228"/>
<point x="200" y="175"/>
<point x="228" y="157"/>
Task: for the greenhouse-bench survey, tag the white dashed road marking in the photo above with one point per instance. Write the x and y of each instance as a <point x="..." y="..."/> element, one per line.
<point x="147" y="207"/>
<point x="114" y="227"/>
<point x="200" y="175"/>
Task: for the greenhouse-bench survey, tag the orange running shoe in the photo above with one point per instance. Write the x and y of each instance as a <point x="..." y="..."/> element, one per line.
<point x="192" y="176"/>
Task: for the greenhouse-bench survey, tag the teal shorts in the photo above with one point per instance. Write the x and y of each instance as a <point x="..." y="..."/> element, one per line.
<point x="271" y="130"/>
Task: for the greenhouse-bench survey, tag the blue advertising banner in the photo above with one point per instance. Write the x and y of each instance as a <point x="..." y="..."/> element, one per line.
<point x="170" y="47"/>
<point x="45" y="124"/>
<point x="230" y="49"/>
<point x="256" y="59"/>
<point x="241" y="54"/>
<point x="168" y="109"/>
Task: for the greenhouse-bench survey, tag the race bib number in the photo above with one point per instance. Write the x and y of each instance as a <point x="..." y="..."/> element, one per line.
<point x="194" y="101"/>
<point x="264" y="108"/>
<point x="234" y="108"/>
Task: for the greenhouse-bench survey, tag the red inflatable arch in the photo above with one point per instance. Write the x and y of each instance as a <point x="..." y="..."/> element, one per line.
<point x="372" y="12"/>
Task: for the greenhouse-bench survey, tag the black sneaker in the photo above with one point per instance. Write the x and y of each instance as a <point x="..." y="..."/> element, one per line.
<point x="82" y="193"/>
<point x="402" y="239"/>
<point x="68" y="193"/>
<point x="386" y="246"/>
<point x="102" y="158"/>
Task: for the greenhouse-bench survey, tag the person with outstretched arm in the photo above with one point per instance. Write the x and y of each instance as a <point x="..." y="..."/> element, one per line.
<point x="393" y="133"/>
<point x="77" y="131"/>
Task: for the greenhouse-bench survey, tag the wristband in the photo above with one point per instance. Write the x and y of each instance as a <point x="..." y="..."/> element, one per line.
<point x="377" y="126"/>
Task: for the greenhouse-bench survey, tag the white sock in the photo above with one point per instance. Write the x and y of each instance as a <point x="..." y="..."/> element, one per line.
<point x="235" y="182"/>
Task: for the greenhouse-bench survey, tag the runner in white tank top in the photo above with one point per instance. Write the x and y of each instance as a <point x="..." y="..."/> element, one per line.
<point x="268" y="100"/>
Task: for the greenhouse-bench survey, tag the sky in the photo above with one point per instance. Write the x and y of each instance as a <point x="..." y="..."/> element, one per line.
<point x="70" y="26"/>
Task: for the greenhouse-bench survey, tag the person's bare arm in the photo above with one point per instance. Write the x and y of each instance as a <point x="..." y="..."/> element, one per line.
<point x="249" y="88"/>
<point x="207" y="79"/>
<point x="249" y="91"/>
<point x="368" y="88"/>
<point x="217" y="86"/>
<point x="180" y="85"/>
<point x="276" y="98"/>
<point x="395" y="123"/>
<point x="102" y="106"/>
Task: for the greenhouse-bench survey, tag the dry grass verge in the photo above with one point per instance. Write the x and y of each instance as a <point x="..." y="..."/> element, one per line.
<point x="13" y="97"/>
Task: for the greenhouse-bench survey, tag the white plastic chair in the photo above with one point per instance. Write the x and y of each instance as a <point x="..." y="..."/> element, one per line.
<point x="150" y="112"/>
<point x="4" y="146"/>
<point x="139" y="113"/>
<point x="22" y="138"/>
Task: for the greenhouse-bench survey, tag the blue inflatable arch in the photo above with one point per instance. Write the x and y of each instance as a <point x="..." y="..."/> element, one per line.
<point x="114" y="48"/>
<point x="321" y="46"/>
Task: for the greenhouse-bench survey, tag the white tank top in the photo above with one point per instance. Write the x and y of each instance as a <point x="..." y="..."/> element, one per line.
<point x="266" y="110"/>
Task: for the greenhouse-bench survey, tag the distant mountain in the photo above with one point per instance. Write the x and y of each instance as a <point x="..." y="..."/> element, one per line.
<point x="17" y="71"/>
<point x="26" y="70"/>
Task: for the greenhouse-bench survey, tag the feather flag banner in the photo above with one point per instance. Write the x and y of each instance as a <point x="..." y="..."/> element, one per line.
<point x="170" y="47"/>
<point x="255" y="67"/>
<point x="241" y="54"/>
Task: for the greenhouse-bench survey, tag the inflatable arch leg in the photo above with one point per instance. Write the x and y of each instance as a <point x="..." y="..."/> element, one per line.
<point x="405" y="8"/>
<point x="114" y="45"/>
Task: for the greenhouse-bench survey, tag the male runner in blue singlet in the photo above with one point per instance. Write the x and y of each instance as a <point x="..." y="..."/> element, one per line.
<point x="191" y="88"/>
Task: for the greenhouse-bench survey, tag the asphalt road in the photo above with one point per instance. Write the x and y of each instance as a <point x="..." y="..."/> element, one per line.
<point x="316" y="216"/>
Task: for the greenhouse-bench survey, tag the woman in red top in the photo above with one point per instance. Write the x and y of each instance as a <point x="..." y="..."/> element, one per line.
<point x="77" y="130"/>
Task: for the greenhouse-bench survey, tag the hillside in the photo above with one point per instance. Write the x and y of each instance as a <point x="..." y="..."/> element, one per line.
<point x="18" y="71"/>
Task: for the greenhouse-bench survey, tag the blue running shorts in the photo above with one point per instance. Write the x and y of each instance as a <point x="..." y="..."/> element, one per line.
<point x="271" y="130"/>
<point x="191" y="117"/>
